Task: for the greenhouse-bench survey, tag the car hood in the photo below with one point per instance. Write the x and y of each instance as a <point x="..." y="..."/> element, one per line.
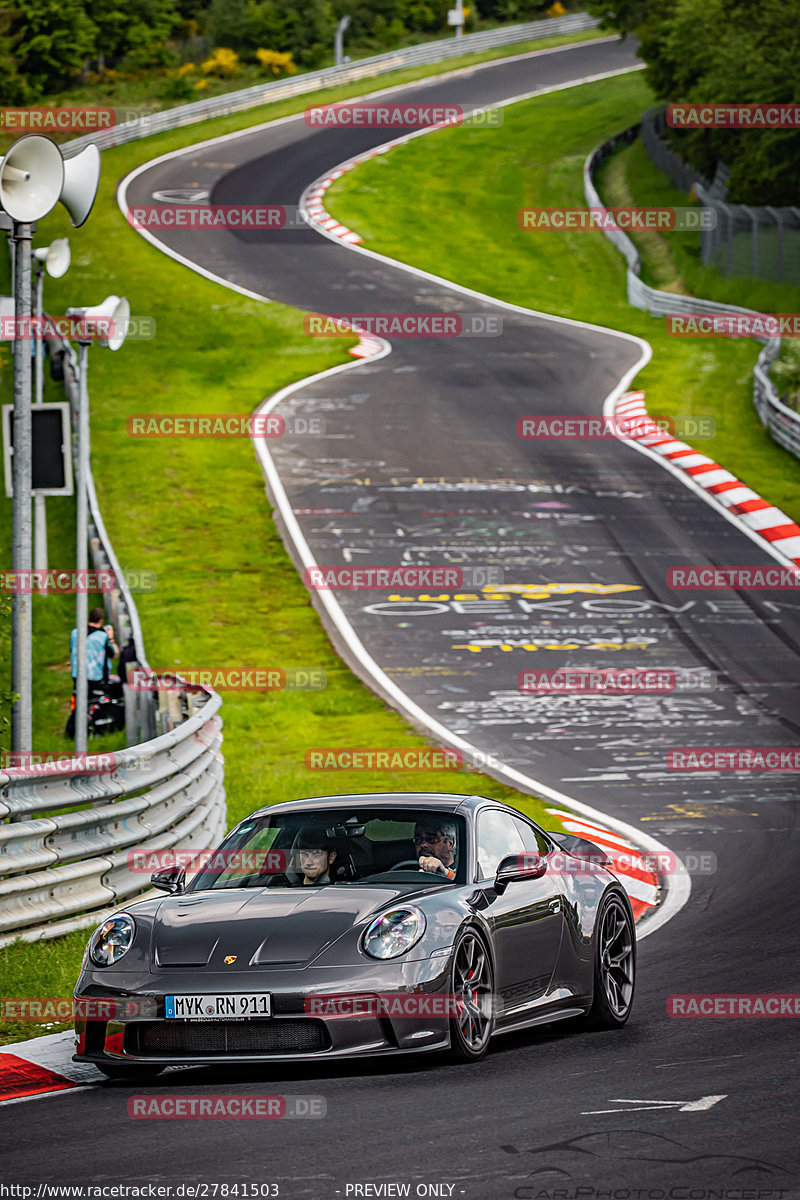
<point x="264" y="928"/>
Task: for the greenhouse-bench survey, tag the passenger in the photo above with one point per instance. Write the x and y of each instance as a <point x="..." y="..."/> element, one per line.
<point x="317" y="854"/>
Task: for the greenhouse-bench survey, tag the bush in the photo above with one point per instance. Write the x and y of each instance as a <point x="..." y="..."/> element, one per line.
<point x="180" y="87"/>
<point x="223" y="63"/>
<point x="275" y="63"/>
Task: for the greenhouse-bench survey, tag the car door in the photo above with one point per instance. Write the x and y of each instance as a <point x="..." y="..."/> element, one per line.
<point x="526" y="920"/>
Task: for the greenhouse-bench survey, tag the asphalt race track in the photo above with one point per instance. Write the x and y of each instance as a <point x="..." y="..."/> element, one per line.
<point x="420" y="464"/>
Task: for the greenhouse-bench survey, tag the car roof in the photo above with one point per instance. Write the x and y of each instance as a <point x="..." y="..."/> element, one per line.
<point x="447" y="801"/>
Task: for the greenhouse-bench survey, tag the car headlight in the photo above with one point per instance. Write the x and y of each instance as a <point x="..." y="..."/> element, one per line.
<point x="111" y="941"/>
<point x="394" y="932"/>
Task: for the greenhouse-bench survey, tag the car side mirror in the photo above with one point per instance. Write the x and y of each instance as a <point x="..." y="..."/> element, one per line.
<point x="169" y="879"/>
<point x="517" y="867"/>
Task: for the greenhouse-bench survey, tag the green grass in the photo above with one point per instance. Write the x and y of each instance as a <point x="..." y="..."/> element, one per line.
<point x="195" y="512"/>
<point x="463" y="226"/>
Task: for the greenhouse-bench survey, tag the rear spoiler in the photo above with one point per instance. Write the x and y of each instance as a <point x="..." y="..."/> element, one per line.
<point x="579" y="847"/>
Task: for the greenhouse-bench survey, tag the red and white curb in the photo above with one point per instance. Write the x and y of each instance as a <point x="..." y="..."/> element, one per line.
<point x="42" y="1066"/>
<point x="316" y="212"/>
<point x="366" y="347"/>
<point x="757" y="515"/>
<point x="639" y="881"/>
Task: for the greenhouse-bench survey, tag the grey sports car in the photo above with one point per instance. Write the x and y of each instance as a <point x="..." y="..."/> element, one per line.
<point x="360" y="925"/>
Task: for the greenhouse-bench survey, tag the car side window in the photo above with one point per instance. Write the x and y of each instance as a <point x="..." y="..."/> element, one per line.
<point x="498" y="836"/>
<point x="534" y="842"/>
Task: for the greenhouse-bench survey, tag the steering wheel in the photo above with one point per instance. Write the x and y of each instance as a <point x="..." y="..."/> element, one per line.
<point x="407" y="864"/>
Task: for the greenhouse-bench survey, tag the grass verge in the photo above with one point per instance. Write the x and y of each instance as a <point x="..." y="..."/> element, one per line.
<point x="536" y="158"/>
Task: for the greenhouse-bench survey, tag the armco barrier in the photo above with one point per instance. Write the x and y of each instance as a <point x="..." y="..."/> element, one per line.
<point x="53" y="868"/>
<point x="313" y="81"/>
<point x="782" y="422"/>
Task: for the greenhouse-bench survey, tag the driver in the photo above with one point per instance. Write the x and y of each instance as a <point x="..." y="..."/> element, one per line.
<point x="434" y="846"/>
<point x="316" y="854"/>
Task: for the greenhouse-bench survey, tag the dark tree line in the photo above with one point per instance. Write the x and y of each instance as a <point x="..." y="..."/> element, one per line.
<point x="723" y="52"/>
<point x="46" y="46"/>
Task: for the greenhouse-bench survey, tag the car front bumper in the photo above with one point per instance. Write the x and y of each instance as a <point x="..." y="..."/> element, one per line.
<point x="304" y="1024"/>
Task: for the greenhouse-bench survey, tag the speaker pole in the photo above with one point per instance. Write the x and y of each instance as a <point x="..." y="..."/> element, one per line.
<point x="39" y="512"/>
<point x="22" y="601"/>
<point x="82" y="548"/>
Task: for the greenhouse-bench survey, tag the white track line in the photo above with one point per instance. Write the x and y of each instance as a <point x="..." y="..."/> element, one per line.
<point x="677" y="885"/>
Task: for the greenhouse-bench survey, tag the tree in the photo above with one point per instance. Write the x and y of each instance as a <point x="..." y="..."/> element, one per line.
<point x="303" y="29"/>
<point x="719" y="52"/>
<point x="13" y="86"/>
<point x="51" y="39"/>
<point x="134" y="33"/>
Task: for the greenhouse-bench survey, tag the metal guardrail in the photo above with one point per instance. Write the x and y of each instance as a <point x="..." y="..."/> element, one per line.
<point x="782" y="422"/>
<point x="312" y="81"/>
<point x="166" y="793"/>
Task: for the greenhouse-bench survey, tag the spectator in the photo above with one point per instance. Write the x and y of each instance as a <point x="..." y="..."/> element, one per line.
<point x="100" y="650"/>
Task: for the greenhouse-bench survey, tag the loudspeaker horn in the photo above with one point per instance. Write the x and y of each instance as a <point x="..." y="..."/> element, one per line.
<point x="115" y="308"/>
<point x="81" y="177"/>
<point x="31" y="178"/>
<point x="54" y="258"/>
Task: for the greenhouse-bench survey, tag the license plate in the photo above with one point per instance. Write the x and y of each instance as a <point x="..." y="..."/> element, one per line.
<point x="232" y="1006"/>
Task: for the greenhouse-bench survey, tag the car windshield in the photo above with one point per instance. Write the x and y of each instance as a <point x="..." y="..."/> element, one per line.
<point x="333" y="847"/>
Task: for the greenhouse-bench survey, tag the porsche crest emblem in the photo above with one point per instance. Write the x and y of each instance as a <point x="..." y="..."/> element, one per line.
<point x="231" y="958"/>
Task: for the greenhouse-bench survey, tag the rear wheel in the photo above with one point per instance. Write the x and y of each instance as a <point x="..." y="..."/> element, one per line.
<point x="614" y="967"/>
<point x="130" y="1071"/>
<point x="473" y="987"/>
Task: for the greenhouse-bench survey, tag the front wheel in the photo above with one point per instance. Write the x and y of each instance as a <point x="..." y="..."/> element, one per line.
<point x="473" y="987"/>
<point x="614" y="967"/>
